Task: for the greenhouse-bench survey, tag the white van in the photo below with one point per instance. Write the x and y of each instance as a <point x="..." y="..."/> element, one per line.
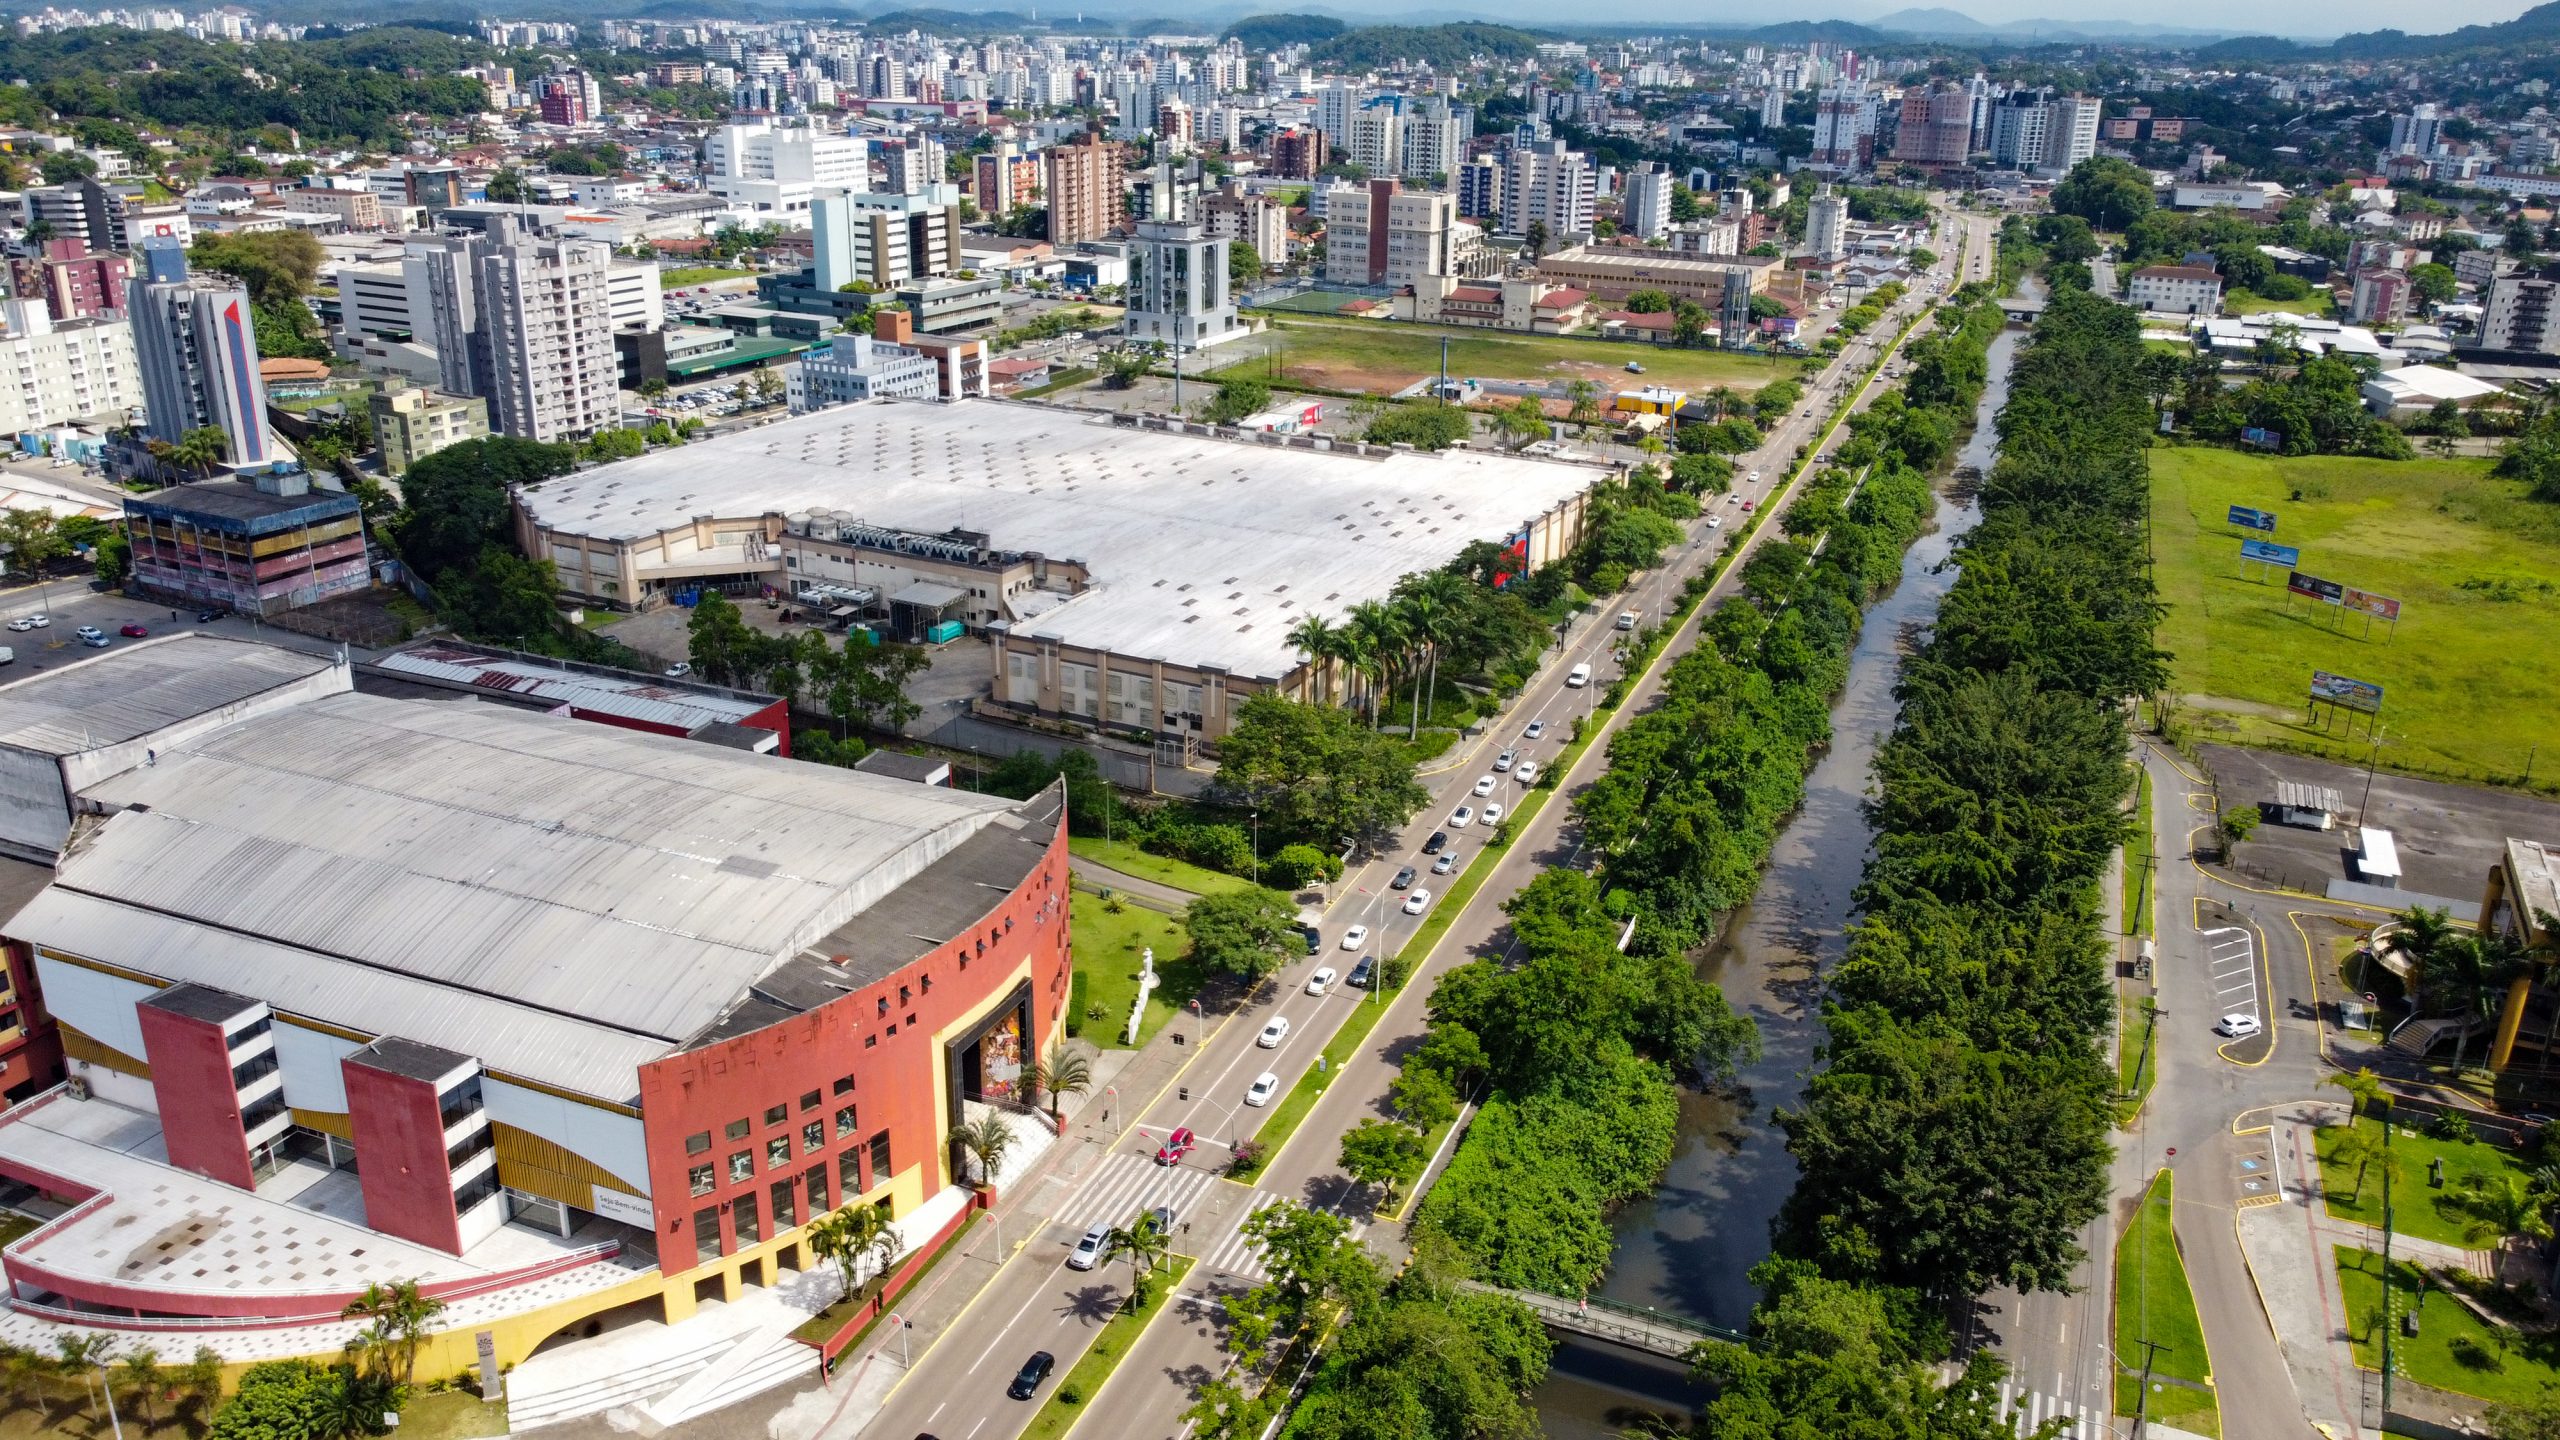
<point x="1578" y="676"/>
<point x="1626" y="619"/>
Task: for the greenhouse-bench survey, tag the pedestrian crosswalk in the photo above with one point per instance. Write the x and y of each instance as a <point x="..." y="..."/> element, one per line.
<point x="2027" y="1409"/>
<point x="1210" y="1227"/>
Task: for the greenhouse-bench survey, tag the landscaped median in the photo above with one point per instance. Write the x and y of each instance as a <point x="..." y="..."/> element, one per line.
<point x="1065" y="1405"/>
<point x="2154" y="1304"/>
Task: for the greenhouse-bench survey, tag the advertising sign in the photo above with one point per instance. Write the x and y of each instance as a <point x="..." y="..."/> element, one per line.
<point x="2251" y="519"/>
<point x="2268" y="552"/>
<point x="2380" y="607"/>
<point x="2312" y="587"/>
<point x="2352" y="694"/>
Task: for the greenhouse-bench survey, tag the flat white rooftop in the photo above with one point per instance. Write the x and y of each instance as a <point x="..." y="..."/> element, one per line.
<point x="1203" y="550"/>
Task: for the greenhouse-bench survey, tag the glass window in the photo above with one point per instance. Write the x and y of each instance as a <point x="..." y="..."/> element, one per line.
<point x="777" y="1152"/>
<point x="906" y="997"/>
<point x="844" y="1122"/>
<point x="777" y="1114"/>
<point x="810" y="1100"/>
<point x="884" y="1004"/>
<point x="738" y="1129"/>
<point x="813" y="1137"/>
<point x="742" y="1166"/>
<point x="849" y="1172"/>
<point x="743" y="1218"/>
<point x="698" y="1144"/>
<point x="844" y="1084"/>
<point x="879" y="1156"/>
<point x="817" y="1180"/>
<point x="786" y="1197"/>
<point x="870" y="1042"/>
<point x="706" y="1236"/>
<point x="701" y="1178"/>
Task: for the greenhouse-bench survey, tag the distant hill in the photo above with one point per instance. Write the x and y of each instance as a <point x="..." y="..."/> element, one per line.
<point x="1801" y="32"/>
<point x="1940" y="23"/>
<point x="2537" y="26"/>
<point x="1270" y="32"/>
<point x="1440" y="46"/>
<point x="1930" y="22"/>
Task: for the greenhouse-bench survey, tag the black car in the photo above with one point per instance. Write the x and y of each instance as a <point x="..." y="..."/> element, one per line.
<point x="207" y="617"/>
<point x="1404" y="877"/>
<point x="1361" y="972"/>
<point x="1439" y="839"/>
<point x="1034" y="1370"/>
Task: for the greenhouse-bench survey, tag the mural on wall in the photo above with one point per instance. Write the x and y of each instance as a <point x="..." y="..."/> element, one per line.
<point x="1000" y="1060"/>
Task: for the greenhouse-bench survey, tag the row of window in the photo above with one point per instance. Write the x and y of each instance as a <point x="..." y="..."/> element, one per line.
<point x="699" y="1143"/>
<point x="703" y="1178"/>
<point x="747" y="1210"/>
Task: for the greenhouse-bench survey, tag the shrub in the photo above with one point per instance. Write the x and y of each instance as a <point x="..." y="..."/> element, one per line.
<point x="1075" y="1004"/>
<point x="1393" y="971"/>
<point x="1298" y="865"/>
<point x="2451" y="1125"/>
<point x="2470" y="1354"/>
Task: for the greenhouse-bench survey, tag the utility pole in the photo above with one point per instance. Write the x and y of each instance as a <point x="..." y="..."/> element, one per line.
<point x="1444" y="369"/>
<point x="2386" y="1263"/>
<point x="2142" y="1395"/>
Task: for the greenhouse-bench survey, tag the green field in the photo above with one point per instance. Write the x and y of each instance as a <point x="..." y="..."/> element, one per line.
<point x="2153" y="1303"/>
<point x="2469" y="683"/>
<point x="2241" y="302"/>
<point x="701" y="275"/>
<point x="1314" y="302"/>
<point x="1386" y="356"/>
<point x="1106" y="952"/>
<point x="2430" y="1212"/>
<point x="1128" y="859"/>
<point x="2454" y="1348"/>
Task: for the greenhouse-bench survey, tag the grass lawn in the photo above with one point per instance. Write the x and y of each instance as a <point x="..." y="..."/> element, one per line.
<point x="1106" y="953"/>
<point x="451" y="1415"/>
<point x="1385" y="357"/>
<point x="1314" y="302"/>
<point x="2416" y="1208"/>
<point x="2475" y="564"/>
<point x="1065" y="1404"/>
<point x="701" y="275"/>
<point x="1128" y="859"/>
<point x="15" y="1227"/>
<point x="2137" y="1055"/>
<point x="2153" y="1303"/>
<point x="1066" y="379"/>
<point x="2454" y="1349"/>
<point x="2137" y="869"/>
<point x="2241" y="302"/>
<point x="818" y="1329"/>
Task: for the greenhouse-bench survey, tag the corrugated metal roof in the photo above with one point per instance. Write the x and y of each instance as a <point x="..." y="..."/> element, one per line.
<point x="633" y="697"/>
<point x="621" y="880"/>
<point x="132" y="690"/>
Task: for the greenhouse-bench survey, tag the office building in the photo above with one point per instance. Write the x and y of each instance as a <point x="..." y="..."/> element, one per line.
<point x="1937" y="125"/>
<point x="776" y="169"/>
<point x="885" y="240"/>
<point x="260" y="545"/>
<point x="1644" y="206"/>
<point x="1178" y="292"/>
<point x="2191" y="290"/>
<point x="858" y="367"/>
<point x="1826" y="225"/>
<point x="70" y="280"/>
<point x="2521" y="312"/>
<point x="1551" y="187"/>
<point x="1085" y="199"/>
<point x="107" y="215"/>
<point x="53" y="372"/>
<point x="358" y="209"/>
<point x="411" y="423"/>
<point x="196" y="345"/>
<point x="548" y="318"/>
<point x="941" y="304"/>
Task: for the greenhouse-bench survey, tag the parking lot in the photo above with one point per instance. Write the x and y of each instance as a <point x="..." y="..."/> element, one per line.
<point x="2449" y="836"/>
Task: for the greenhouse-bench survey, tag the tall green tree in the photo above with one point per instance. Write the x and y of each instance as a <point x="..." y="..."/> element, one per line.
<point x="1248" y="933"/>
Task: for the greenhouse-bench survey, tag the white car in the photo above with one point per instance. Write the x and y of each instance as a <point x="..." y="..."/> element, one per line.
<point x="1355" y="937"/>
<point x="1259" y="1092"/>
<point x="1321" y="981"/>
<point x="1536" y="729"/>
<point x="1504" y="761"/>
<point x="1462" y="817"/>
<point x="1274" y="1033"/>
<point x="679" y="670"/>
<point x="31" y="622"/>
<point x="1485" y="784"/>
<point x="1715" y="522"/>
<point x="2237" y="1027"/>
<point x="1755" y="477"/>
<point x="1527" y="774"/>
<point x="1493" y="813"/>
<point x="1417" y="902"/>
<point x="1446" y="864"/>
<point x="1089" y="1249"/>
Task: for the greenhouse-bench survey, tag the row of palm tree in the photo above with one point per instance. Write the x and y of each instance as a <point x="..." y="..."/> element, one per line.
<point x="854" y="1235"/>
<point x="399" y="1316"/>
<point x="2464" y="972"/>
<point x="137" y="1377"/>
<point x="1380" y="642"/>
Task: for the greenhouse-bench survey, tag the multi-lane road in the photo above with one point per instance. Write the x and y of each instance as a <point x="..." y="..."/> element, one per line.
<point x="1036" y="1302"/>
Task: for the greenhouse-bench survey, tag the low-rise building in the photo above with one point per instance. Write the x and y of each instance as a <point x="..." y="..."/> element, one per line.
<point x="944" y="304"/>
<point x="1614" y="272"/>
<point x="858" y="367"/>
<point x="260" y="547"/>
<point x="2194" y="290"/>
<point x="413" y="423"/>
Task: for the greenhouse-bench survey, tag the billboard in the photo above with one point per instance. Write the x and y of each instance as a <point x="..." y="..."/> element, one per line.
<point x="2312" y="587"/>
<point x="2353" y="694"/>
<point x="2380" y="607"/>
<point x="2263" y="439"/>
<point x="2249" y="519"/>
<point x="2268" y="552"/>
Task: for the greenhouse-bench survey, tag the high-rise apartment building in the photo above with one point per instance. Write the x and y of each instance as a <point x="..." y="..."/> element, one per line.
<point x="2018" y="125"/>
<point x="54" y="371"/>
<point x="2522" y="312"/>
<point x="1844" y="126"/>
<point x="1644" y="207"/>
<point x="1335" y="101"/>
<point x="547" y="311"/>
<point x="1298" y="153"/>
<point x="1826" y="225"/>
<point x="1549" y="186"/>
<point x="774" y="169"/>
<point x="1481" y="184"/>
<point x="1084" y="190"/>
<point x="1937" y="125"/>
<point x="884" y="240"/>
<point x="1375" y="139"/>
<point x="2071" y="132"/>
<point x="1435" y="136"/>
<point x="2418" y="132"/>
<point x="1006" y="177"/>
<point x="196" y="345"/>
<point x="70" y="281"/>
<point x="1178" y="294"/>
<point x="1256" y="220"/>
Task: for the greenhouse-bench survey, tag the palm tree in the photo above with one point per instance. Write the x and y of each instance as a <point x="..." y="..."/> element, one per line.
<point x="199" y="449"/>
<point x="987" y="1138"/>
<point x="1062" y="1073"/>
<point x="400" y="1314"/>
<point x="852" y="1235"/>
<point x="2473" y="969"/>
<point x="2362" y="1147"/>
<point x="2363" y="1089"/>
<point x="1316" y="638"/>
<point x="1381" y="632"/>
<point x="2422" y="933"/>
<point x="143" y="1379"/>
<point x="1144" y="1244"/>
<point x="2508" y="1205"/>
<point x="82" y="1355"/>
<point x="1423" y="617"/>
<point x="201" y="1379"/>
<point x="31" y="1378"/>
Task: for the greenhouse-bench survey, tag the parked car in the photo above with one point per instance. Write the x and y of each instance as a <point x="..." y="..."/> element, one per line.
<point x="1635" y="367"/>
<point x="1026" y="1381"/>
<point x="1438" y="839"/>
<point x="1260" y="1091"/>
<point x="1503" y="761"/>
<point x="1536" y="729"/>
<point x="1485" y="784"/>
<point x="207" y="617"/>
<point x="1321" y="981"/>
<point x="133" y="630"/>
<point x="1462" y="817"/>
<point x="1176" y="1145"/>
<point x="30" y="622"/>
<point x="1355" y="937"/>
<point x="679" y="670"/>
<point x="1362" y="973"/>
<point x="1417" y="902"/>
<point x="2237" y="1027"/>
<point x="1274" y="1033"/>
<point x="92" y="636"/>
<point x="1404" y="877"/>
<point x="1088" y="1252"/>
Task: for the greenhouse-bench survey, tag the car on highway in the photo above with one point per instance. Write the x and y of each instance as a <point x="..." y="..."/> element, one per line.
<point x="1026" y="1381"/>
<point x="2237" y="1027"/>
<point x="1404" y="877"/>
<point x="1536" y="729"/>
<point x="1505" y="760"/>
<point x="1355" y="937"/>
<point x="133" y="630"/>
<point x="1321" y="981"/>
<point x="1433" y="845"/>
<point x="1273" y="1033"/>
<point x="1755" y="477"/>
<point x="1088" y="1251"/>
<point x="1527" y="774"/>
<point x="1260" y="1091"/>
<point x="1462" y="817"/>
<point x="31" y="622"/>
<point x="1446" y="864"/>
<point x="1493" y="813"/>
<point x="1176" y="1145"/>
<point x="1715" y="522"/>
<point x="1361" y="973"/>
<point x="1485" y="784"/>
<point x="1417" y="902"/>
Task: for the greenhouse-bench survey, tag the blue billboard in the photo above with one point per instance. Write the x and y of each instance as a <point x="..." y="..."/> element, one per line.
<point x="2248" y="519"/>
<point x="2268" y="552"/>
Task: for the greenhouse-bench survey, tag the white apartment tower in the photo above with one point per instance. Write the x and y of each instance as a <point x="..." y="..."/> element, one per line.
<point x="1435" y="139"/>
<point x="1645" y="205"/>
<point x="55" y="371"/>
<point x="1178" y="295"/>
<point x="1550" y="186"/>
<point x="1826" y="225"/>
<point x="547" y="309"/>
<point x="1376" y="139"/>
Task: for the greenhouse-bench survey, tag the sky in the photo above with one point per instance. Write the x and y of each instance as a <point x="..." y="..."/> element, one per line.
<point x="2298" y="18"/>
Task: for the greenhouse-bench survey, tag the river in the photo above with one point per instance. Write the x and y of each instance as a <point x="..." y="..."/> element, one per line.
<point x="1688" y="1249"/>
